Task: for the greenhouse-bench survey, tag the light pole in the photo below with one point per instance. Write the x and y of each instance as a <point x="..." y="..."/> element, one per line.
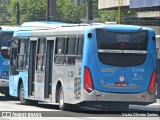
<point x="89" y="9"/>
<point x="51" y="12"/>
<point x="119" y="11"/>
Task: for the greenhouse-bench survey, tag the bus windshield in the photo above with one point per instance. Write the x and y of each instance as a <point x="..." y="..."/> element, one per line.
<point x="5" y="38"/>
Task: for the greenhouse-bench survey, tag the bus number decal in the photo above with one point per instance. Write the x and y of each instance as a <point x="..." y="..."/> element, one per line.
<point x="140" y="70"/>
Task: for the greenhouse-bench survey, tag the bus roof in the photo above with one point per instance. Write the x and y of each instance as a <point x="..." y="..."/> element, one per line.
<point x="9" y="28"/>
<point x="42" y="23"/>
<point x="47" y="28"/>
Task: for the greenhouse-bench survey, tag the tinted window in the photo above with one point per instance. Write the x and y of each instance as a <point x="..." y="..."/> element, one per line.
<point x="5" y="38"/>
<point x="41" y="54"/>
<point x="67" y="50"/>
<point x="60" y="46"/>
<point x="59" y="51"/>
<point x="70" y="51"/>
<point x="80" y="46"/>
<point x="122" y="40"/>
<point x="21" y="54"/>
<point x="122" y="49"/>
<point x="71" y="46"/>
<point x="79" y="49"/>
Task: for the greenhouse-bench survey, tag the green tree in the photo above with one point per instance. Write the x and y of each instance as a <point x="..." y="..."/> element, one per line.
<point x="5" y="14"/>
<point x="30" y="10"/>
<point x="112" y="16"/>
<point x="68" y="11"/>
<point x="108" y="15"/>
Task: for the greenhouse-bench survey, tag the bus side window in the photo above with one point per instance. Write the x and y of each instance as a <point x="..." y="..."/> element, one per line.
<point x="79" y="49"/>
<point x="70" y="51"/>
<point x="59" y="51"/>
<point x="26" y="57"/>
<point x="41" y="55"/>
<point x="21" y="54"/>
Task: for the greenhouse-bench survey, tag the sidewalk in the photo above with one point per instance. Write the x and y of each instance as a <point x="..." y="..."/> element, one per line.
<point x="150" y="107"/>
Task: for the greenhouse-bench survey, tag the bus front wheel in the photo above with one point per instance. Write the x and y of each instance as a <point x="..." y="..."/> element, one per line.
<point x="21" y="95"/>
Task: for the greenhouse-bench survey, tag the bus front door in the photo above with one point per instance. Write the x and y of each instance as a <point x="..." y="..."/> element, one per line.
<point x="43" y="70"/>
<point x="40" y="69"/>
<point x="48" y="69"/>
<point x="31" y="70"/>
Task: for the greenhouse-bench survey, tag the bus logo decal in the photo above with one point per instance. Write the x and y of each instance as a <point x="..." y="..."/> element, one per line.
<point x="121" y="78"/>
<point x="5" y="73"/>
<point x="5" y="63"/>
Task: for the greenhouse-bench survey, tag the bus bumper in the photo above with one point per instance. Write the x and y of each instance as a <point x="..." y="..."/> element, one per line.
<point x="4" y="83"/>
<point x="144" y="97"/>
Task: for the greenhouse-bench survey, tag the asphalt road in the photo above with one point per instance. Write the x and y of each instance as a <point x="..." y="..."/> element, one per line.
<point x="12" y="107"/>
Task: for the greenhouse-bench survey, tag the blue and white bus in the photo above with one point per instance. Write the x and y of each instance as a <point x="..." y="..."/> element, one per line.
<point x="108" y="65"/>
<point x="6" y="33"/>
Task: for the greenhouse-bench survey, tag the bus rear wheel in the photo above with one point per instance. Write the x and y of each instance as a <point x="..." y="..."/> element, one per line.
<point x="21" y="95"/>
<point x="62" y="104"/>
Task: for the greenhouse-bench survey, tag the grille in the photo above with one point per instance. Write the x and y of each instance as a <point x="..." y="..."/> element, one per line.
<point x="77" y="88"/>
<point x="122" y="60"/>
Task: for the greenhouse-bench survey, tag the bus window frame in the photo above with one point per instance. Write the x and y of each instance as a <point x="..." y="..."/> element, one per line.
<point x="56" y="54"/>
<point x="81" y="47"/>
<point x="65" y="45"/>
<point x="68" y="38"/>
<point x="24" y="54"/>
<point x="38" y="53"/>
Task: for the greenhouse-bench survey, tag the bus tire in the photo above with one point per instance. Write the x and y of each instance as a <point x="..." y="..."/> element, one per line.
<point x="62" y="104"/>
<point x="21" y="95"/>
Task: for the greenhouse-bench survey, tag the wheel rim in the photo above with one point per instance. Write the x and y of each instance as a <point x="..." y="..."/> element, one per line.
<point x="61" y="101"/>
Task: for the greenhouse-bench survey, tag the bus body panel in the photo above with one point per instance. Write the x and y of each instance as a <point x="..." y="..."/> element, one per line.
<point x="13" y="85"/>
<point x="135" y="98"/>
<point x="14" y="82"/>
<point x="105" y="77"/>
<point x="4" y="69"/>
<point x="6" y="34"/>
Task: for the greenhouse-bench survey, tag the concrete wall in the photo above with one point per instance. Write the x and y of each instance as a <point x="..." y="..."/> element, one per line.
<point x="106" y="4"/>
<point x="156" y="28"/>
<point x="144" y="3"/>
<point x="147" y="14"/>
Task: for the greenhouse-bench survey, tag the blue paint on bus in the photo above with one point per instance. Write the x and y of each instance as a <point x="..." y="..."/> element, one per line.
<point x="6" y="34"/>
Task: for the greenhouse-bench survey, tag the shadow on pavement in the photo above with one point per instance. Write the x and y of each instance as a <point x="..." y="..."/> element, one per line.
<point x="45" y="106"/>
<point x="4" y="98"/>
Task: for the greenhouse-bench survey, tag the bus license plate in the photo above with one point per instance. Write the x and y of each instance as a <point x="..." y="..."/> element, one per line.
<point x="121" y="84"/>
